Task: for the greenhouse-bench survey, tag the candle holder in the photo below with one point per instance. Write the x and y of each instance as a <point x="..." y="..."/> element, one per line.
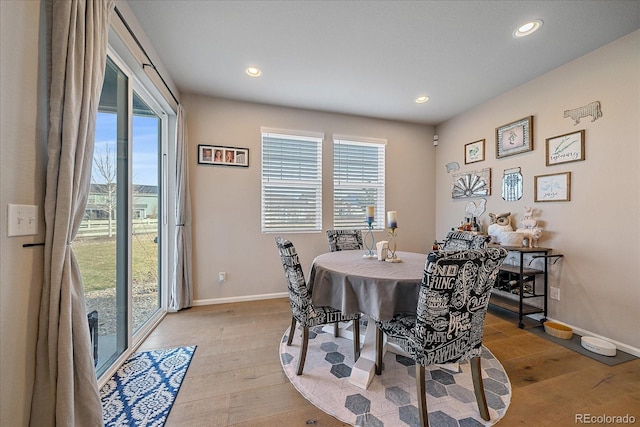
<point x="392" y="246"/>
<point x="369" y="241"/>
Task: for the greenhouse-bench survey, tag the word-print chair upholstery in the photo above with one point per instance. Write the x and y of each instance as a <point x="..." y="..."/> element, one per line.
<point x="460" y="241"/>
<point x="305" y="313"/>
<point x="449" y="321"/>
<point x="344" y="240"/>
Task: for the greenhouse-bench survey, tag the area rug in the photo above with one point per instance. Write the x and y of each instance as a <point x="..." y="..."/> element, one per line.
<point x="142" y="391"/>
<point x="391" y="398"/>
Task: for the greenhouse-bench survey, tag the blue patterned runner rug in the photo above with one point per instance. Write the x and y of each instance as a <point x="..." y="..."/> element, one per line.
<point x="142" y="391"/>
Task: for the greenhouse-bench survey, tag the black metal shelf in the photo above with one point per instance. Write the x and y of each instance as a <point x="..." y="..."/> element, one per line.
<point x="522" y="279"/>
<point x="516" y="270"/>
<point x="512" y="305"/>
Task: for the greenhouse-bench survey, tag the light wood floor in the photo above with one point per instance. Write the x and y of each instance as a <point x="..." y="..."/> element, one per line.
<point x="235" y="378"/>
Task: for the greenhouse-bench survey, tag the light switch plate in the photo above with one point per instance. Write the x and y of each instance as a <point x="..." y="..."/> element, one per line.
<point x="22" y="220"/>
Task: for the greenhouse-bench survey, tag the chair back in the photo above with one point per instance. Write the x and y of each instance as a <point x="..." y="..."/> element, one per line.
<point x="299" y="295"/>
<point x="344" y="240"/>
<point x="461" y="241"/>
<point x="453" y="302"/>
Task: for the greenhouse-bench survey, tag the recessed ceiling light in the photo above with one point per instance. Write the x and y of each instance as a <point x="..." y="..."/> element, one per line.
<point x="422" y="99"/>
<point x="254" y="71"/>
<point x="528" y="28"/>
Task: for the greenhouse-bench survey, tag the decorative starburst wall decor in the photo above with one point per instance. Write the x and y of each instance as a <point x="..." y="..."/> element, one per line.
<point x="471" y="184"/>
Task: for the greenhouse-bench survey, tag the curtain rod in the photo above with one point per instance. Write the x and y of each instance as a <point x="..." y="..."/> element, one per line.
<point x="150" y="64"/>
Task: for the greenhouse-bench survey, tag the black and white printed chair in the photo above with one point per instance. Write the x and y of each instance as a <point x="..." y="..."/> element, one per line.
<point x="302" y="310"/>
<point x="344" y="240"/>
<point x="460" y="241"/>
<point x="449" y="321"/>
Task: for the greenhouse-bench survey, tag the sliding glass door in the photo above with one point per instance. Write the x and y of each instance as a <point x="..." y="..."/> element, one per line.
<point x="145" y="212"/>
<point x="120" y="239"/>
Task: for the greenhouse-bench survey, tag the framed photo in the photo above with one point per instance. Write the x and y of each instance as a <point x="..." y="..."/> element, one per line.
<point x="474" y="152"/>
<point x="555" y="187"/>
<point x="565" y="148"/>
<point x="514" y="138"/>
<point x="223" y="156"/>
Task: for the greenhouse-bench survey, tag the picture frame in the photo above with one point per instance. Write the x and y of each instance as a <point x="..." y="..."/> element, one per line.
<point x="474" y="152"/>
<point x="565" y="148"/>
<point x="553" y="187"/>
<point x="220" y="155"/>
<point x="514" y="138"/>
<point x="471" y="184"/>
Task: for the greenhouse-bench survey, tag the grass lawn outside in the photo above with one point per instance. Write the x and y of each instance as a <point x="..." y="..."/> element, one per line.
<point x="97" y="259"/>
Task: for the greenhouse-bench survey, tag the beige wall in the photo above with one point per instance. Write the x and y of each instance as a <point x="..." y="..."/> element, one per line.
<point x="23" y="128"/>
<point x="226" y="200"/>
<point x="597" y="231"/>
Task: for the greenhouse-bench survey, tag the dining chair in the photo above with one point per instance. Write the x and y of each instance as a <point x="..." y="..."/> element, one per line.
<point x="303" y="311"/>
<point x="459" y="241"/>
<point x="449" y="321"/>
<point x="344" y="240"/>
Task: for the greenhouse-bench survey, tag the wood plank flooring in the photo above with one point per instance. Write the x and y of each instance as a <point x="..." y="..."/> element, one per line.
<point x="235" y="378"/>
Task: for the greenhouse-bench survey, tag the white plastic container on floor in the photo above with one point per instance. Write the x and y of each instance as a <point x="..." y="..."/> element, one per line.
<point x="599" y="346"/>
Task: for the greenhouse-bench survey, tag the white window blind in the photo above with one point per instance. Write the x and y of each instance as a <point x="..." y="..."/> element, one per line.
<point x="358" y="182"/>
<point x="291" y="182"/>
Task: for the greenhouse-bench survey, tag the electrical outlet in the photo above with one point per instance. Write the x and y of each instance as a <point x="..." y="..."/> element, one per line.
<point x="22" y="220"/>
<point x="554" y="293"/>
<point x="222" y="276"/>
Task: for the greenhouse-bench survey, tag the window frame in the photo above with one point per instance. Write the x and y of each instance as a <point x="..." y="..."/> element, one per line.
<point x="340" y="187"/>
<point x="306" y="183"/>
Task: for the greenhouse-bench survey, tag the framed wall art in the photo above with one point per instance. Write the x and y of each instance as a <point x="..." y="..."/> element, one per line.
<point x="474" y="152"/>
<point x="565" y="148"/>
<point x="514" y="138"/>
<point x="555" y="187"/>
<point x="471" y="184"/>
<point x="223" y="156"/>
<point x="512" y="184"/>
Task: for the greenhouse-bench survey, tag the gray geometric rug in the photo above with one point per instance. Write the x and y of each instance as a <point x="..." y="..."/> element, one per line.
<point x="391" y="398"/>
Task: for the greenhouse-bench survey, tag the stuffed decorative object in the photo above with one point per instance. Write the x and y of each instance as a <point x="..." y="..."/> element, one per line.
<point x="529" y="230"/>
<point x="500" y="223"/>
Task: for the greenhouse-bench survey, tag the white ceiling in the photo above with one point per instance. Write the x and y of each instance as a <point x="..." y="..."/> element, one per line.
<point x="373" y="58"/>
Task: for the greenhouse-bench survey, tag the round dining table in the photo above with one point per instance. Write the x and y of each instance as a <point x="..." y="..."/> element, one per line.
<point x="347" y="281"/>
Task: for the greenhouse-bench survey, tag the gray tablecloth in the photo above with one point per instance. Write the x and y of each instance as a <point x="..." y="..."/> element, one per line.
<point x="346" y="281"/>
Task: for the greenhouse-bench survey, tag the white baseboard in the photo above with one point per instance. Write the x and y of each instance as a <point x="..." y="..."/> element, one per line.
<point x="619" y="345"/>
<point x="245" y="298"/>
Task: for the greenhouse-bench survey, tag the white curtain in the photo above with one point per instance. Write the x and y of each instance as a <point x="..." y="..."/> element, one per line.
<point x="181" y="288"/>
<point x="65" y="390"/>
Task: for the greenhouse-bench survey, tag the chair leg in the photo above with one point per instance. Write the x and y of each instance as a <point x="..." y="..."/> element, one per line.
<point x="292" y="330"/>
<point x="303" y="350"/>
<point x="356" y="339"/>
<point x="379" y="344"/>
<point x="422" y="396"/>
<point x="336" y="329"/>
<point x="478" y="387"/>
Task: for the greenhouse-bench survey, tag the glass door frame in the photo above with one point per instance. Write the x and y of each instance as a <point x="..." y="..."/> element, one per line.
<point x="138" y="336"/>
<point x="134" y="338"/>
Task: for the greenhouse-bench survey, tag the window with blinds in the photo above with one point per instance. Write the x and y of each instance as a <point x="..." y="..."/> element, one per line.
<point x="291" y="182"/>
<point x="358" y="182"/>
